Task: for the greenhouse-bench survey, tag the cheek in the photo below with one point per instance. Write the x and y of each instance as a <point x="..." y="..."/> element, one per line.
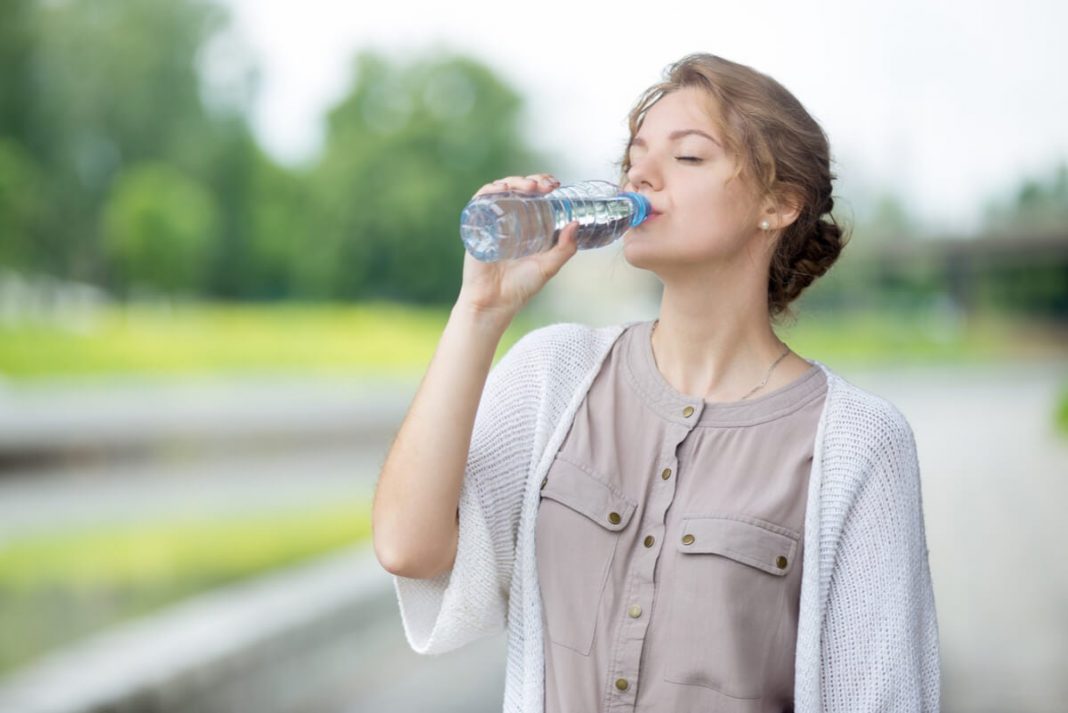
<point x="716" y="212"/>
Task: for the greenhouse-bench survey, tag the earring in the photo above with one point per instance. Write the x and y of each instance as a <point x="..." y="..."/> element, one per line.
<point x="764" y="225"/>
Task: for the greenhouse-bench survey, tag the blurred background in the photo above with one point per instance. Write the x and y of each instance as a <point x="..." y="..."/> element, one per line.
<point x="229" y="244"/>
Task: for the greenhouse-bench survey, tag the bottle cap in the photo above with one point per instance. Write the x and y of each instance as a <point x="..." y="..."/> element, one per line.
<point x="642" y="207"/>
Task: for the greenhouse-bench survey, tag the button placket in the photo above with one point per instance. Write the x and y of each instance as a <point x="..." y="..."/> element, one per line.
<point x="630" y="641"/>
<point x="633" y="630"/>
<point x="626" y="668"/>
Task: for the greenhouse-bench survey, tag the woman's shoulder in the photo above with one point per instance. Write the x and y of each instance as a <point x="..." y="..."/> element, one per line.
<point x="858" y="412"/>
<point x="563" y="345"/>
<point x="868" y="449"/>
<point x="565" y="334"/>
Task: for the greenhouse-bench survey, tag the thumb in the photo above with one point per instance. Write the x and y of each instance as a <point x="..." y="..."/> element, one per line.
<point x="566" y="243"/>
<point x="552" y="260"/>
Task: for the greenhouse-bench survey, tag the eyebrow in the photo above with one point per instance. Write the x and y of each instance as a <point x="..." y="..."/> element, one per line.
<point x="678" y="135"/>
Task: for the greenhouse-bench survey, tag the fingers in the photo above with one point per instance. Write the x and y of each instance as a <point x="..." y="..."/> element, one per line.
<point x="531" y="182"/>
<point x="570" y="231"/>
<point x="552" y="260"/>
<point x="566" y="246"/>
<point x="534" y="183"/>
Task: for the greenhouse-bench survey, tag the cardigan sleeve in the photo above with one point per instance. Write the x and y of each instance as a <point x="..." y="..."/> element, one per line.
<point x="470" y="601"/>
<point x="880" y="648"/>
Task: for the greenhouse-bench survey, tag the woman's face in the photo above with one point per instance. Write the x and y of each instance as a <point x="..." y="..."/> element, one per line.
<point x="704" y="219"/>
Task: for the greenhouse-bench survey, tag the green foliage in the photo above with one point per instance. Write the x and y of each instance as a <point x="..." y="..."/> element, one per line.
<point x="890" y="221"/>
<point x="93" y="91"/>
<point x="94" y="87"/>
<point x="278" y="232"/>
<point x="1060" y="416"/>
<point x="20" y="207"/>
<point x="1040" y="205"/>
<point x="158" y="225"/>
<point x="404" y="152"/>
<point x="17" y="38"/>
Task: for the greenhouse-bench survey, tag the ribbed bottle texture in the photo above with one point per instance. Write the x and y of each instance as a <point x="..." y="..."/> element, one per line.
<point x="513" y="224"/>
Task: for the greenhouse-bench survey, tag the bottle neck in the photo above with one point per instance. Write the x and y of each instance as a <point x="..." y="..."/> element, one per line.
<point x="642" y="207"/>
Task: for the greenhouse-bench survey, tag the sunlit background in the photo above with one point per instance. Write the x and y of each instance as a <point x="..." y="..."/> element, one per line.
<point x="229" y="244"/>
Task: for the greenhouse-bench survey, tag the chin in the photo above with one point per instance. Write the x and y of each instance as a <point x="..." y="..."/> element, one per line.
<point x="644" y="252"/>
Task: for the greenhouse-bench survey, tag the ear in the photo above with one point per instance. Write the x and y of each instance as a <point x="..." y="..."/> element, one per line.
<point x="781" y="213"/>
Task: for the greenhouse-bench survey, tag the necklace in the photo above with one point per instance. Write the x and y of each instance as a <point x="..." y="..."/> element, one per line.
<point x="766" y="376"/>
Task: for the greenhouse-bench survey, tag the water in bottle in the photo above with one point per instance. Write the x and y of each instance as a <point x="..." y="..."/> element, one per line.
<point x="511" y="224"/>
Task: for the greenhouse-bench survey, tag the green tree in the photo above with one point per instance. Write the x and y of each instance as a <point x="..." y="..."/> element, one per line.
<point x="404" y="152"/>
<point x="158" y="226"/>
<point x="1039" y="205"/>
<point x="20" y="207"/>
<point x="17" y="33"/>
<point x="105" y="84"/>
<point x="279" y="230"/>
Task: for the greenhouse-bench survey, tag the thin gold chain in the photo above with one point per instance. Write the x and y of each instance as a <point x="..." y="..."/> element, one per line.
<point x="766" y="377"/>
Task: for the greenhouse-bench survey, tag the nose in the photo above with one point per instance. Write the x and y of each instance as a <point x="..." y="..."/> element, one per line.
<point x="642" y="173"/>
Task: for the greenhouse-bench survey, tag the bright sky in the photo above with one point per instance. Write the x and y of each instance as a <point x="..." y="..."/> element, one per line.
<point x="947" y="103"/>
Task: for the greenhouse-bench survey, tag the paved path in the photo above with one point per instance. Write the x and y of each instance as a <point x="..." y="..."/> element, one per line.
<point x="183" y="483"/>
<point x="95" y="419"/>
<point x="995" y="488"/>
<point x="995" y="484"/>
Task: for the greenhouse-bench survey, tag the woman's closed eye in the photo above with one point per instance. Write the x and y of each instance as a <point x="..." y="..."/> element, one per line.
<point x="688" y="158"/>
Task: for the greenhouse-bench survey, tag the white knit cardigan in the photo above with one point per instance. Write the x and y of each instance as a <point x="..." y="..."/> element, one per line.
<point x="867" y="637"/>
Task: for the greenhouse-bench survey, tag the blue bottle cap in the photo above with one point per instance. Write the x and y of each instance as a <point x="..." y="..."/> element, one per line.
<point x="642" y="207"/>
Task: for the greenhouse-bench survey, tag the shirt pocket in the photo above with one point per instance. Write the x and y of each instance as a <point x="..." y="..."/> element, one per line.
<point x="727" y="601"/>
<point x="580" y="517"/>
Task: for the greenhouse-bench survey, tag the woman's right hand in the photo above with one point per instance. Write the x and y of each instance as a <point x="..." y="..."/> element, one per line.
<point x="500" y="289"/>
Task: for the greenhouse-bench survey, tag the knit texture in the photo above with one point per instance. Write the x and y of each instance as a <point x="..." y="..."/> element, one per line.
<point x="867" y="636"/>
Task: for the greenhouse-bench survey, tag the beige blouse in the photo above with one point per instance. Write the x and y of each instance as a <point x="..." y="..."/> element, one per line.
<point x="668" y="543"/>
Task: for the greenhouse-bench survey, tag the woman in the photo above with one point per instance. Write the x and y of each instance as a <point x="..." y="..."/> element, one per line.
<point x="676" y="514"/>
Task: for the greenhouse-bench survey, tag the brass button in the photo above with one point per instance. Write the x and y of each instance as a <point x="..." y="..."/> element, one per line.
<point x="687" y="539"/>
<point x="666" y="474"/>
<point x="544" y="481"/>
<point x="649" y="540"/>
<point x="780" y="562"/>
<point x="635" y="611"/>
<point x="688" y="411"/>
<point x="621" y="684"/>
<point x="614" y="518"/>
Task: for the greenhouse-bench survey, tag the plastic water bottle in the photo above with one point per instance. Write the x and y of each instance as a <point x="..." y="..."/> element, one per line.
<point x="512" y="224"/>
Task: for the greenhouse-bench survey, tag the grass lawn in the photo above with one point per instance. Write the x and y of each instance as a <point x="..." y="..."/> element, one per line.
<point x="1061" y="416"/>
<point x="387" y="339"/>
<point x="198" y="339"/>
<point x="60" y="586"/>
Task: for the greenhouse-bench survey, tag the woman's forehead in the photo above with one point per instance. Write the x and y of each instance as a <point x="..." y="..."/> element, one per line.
<point x="683" y="109"/>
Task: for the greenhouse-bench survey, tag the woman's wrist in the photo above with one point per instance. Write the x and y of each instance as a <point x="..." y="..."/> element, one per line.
<point x="487" y="320"/>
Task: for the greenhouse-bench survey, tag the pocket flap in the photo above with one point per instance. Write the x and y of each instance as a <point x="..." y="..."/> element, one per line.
<point x="571" y="485"/>
<point x="752" y="541"/>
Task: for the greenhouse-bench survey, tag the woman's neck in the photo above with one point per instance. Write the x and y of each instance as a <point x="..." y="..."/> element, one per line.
<point x="722" y="359"/>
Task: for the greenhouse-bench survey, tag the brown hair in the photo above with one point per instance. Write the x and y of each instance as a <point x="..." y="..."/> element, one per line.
<point x="780" y="151"/>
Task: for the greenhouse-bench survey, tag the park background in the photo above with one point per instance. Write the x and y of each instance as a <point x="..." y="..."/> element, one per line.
<point x="229" y="244"/>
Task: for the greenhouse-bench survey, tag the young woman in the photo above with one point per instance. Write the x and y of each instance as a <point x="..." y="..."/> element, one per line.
<point x="679" y="514"/>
